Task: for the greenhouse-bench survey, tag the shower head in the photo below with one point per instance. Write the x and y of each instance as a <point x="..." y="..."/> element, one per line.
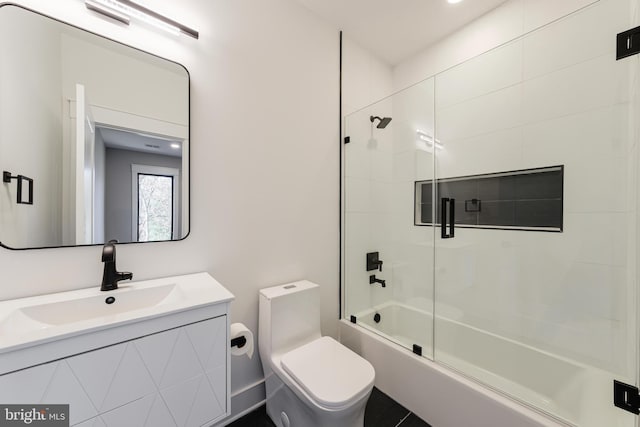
<point x="384" y="121"/>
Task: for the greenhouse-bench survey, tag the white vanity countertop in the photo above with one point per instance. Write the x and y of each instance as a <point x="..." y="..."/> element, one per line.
<point x="30" y="321"/>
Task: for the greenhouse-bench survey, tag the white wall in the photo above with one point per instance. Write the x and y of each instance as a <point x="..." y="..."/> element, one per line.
<point x="30" y="95"/>
<point x="264" y="159"/>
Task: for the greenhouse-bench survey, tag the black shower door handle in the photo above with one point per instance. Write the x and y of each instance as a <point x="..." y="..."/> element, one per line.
<point x="452" y="217"/>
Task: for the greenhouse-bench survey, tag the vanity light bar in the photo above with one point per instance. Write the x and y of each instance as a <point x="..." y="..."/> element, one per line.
<point x="123" y="10"/>
<point x="105" y="10"/>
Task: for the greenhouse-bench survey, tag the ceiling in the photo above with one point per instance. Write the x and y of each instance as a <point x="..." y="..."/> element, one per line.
<point x="395" y="30"/>
<point x="139" y="141"/>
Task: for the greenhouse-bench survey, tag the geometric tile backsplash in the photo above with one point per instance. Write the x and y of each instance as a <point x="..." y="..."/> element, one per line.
<point x="529" y="199"/>
<point x="172" y="378"/>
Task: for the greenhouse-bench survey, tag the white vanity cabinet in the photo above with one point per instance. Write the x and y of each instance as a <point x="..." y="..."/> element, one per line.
<point x="168" y="370"/>
<point x="171" y="378"/>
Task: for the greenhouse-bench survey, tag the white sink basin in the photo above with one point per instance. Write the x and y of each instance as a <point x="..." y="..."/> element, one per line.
<point x="29" y="321"/>
<point x="128" y="299"/>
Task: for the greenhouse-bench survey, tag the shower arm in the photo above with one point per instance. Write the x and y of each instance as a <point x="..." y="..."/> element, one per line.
<point x="384" y="121"/>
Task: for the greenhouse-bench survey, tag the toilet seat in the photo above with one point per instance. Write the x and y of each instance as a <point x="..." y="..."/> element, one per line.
<point x="329" y="372"/>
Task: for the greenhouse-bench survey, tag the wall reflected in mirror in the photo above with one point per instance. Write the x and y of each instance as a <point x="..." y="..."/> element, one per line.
<point x="101" y="128"/>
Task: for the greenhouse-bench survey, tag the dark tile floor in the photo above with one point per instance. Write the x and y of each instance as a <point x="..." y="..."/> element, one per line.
<point x="381" y="411"/>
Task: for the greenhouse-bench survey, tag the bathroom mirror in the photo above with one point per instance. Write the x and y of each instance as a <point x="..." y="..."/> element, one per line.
<point x="94" y="138"/>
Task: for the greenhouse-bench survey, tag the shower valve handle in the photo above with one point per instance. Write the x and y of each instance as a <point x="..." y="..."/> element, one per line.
<point x="373" y="261"/>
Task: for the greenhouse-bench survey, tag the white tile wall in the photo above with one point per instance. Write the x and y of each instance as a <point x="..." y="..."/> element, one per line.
<point x="471" y="79"/>
<point x="584" y="137"/>
<point x="358" y="191"/>
<point x="537" y="13"/>
<point x="505" y="23"/>
<point x="554" y="47"/>
<point x="567" y="289"/>
<point x="369" y="174"/>
<point x="594" y="83"/>
<point x="385" y="225"/>
<point x="556" y="96"/>
<point x="495" y="151"/>
<point x="492" y="112"/>
<point x="489" y="31"/>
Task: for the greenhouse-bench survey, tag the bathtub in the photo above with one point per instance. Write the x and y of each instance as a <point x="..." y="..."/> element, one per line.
<point x="497" y="388"/>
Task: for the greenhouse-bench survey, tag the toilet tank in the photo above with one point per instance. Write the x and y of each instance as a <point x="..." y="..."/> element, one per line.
<point x="289" y="317"/>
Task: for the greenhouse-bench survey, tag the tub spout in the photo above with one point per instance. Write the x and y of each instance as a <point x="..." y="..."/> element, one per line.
<point x="373" y="279"/>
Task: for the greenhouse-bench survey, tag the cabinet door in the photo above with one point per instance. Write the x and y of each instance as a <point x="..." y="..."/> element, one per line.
<point x="51" y="383"/>
<point x="172" y="378"/>
<point x="194" y="381"/>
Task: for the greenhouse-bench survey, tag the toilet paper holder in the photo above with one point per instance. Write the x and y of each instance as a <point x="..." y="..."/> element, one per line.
<point x="238" y="342"/>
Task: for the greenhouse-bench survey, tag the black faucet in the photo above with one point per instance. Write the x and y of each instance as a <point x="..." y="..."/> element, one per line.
<point x="111" y="277"/>
<point x="373" y="279"/>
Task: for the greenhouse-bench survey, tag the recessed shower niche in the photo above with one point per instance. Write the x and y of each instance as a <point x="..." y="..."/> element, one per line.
<point x="529" y="199"/>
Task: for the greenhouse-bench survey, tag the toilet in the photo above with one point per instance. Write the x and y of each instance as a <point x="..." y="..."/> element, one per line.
<point x="311" y="380"/>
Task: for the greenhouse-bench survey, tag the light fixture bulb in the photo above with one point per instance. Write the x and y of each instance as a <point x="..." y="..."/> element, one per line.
<point x="453" y="1"/>
<point x="123" y="10"/>
<point x="116" y="5"/>
<point x="101" y="7"/>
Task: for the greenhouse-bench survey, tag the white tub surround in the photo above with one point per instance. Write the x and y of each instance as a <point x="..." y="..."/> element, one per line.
<point x="566" y="388"/>
<point x="435" y="393"/>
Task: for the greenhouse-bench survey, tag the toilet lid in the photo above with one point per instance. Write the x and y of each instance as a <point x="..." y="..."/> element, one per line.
<point x="331" y="373"/>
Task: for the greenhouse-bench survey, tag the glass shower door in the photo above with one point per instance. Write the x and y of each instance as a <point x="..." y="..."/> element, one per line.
<point x="388" y="260"/>
<point x="536" y="198"/>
